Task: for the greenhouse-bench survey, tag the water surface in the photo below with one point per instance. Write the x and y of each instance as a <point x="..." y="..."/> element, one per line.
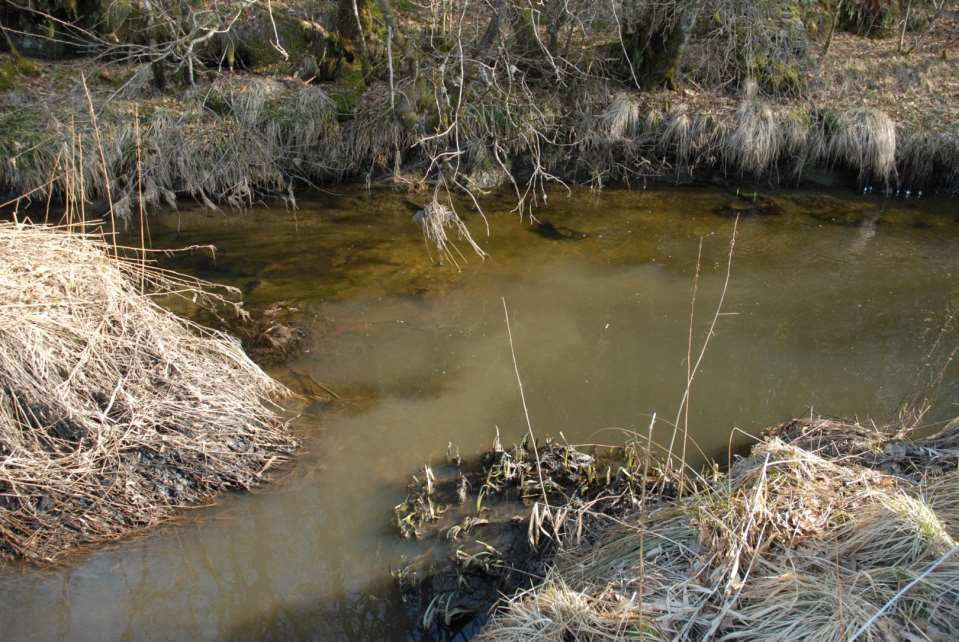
<point x="832" y="305"/>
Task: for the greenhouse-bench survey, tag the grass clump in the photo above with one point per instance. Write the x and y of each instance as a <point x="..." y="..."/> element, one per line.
<point x="807" y="538"/>
<point x="113" y="410"/>
<point x="755" y="143"/>
<point x="865" y="141"/>
<point x="623" y="117"/>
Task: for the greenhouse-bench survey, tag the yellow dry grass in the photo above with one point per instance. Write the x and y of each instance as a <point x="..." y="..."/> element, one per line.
<point x="791" y="544"/>
<point x="113" y="410"/>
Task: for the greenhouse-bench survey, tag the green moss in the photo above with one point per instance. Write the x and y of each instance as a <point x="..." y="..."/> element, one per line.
<point x="349" y="88"/>
<point x="346" y="103"/>
<point x="871" y="18"/>
<point x="26" y="67"/>
<point x="8" y="77"/>
<point x="17" y="66"/>
<point x="19" y="128"/>
<point x="778" y="77"/>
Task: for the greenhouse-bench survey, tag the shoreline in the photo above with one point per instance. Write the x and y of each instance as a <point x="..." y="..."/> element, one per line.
<point x="629" y="559"/>
<point x="241" y="137"/>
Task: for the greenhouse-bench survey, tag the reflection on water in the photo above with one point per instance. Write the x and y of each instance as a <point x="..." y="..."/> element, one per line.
<point x="833" y="301"/>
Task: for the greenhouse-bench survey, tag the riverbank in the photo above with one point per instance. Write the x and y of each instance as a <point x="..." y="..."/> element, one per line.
<point x="115" y="412"/>
<point x="871" y="113"/>
<point x="826" y="530"/>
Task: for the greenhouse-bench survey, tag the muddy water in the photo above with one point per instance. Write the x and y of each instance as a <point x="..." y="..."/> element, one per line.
<point x="833" y="303"/>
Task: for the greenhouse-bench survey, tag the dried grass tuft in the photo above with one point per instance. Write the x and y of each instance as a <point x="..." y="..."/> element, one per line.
<point x="942" y="493"/>
<point x="622" y="118"/>
<point x="436" y="221"/>
<point x="678" y="134"/>
<point x="865" y="140"/>
<point x="755" y="144"/>
<point x="113" y="410"/>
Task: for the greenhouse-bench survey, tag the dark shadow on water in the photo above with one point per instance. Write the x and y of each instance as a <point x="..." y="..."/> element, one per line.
<point x="378" y="614"/>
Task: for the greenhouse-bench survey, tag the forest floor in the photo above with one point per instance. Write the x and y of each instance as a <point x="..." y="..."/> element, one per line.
<point x="917" y="86"/>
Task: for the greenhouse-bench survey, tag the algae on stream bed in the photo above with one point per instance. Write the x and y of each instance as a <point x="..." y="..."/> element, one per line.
<point x="833" y="303"/>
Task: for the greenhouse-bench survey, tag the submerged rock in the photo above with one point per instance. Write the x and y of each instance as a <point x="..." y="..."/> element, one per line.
<point x="557" y="233"/>
<point x="272" y="334"/>
<point x="749" y="206"/>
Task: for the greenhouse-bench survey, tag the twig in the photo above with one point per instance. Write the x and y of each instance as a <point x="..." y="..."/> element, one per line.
<point x="103" y="162"/>
<point x="709" y="334"/>
<point x="522" y="397"/>
<point x="905" y="589"/>
<point x="689" y="365"/>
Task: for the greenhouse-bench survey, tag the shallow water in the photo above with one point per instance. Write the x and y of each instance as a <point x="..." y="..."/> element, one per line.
<point x="832" y="305"/>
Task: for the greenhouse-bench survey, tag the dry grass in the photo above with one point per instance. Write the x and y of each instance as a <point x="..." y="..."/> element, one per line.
<point x="679" y="134"/>
<point x="755" y="143"/>
<point x="865" y="141"/>
<point x="226" y="142"/>
<point x="113" y="410"/>
<point x="917" y="88"/>
<point x="796" y="542"/>
<point x="623" y="117"/>
<point x="886" y="115"/>
<point x="437" y="221"/>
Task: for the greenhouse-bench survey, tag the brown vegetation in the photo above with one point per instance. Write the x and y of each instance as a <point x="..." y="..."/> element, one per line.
<point x="460" y="98"/>
<point x="113" y="410"/>
<point x="827" y="530"/>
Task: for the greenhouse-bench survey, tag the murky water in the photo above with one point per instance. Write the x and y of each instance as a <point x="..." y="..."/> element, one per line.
<point x="832" y="305"/>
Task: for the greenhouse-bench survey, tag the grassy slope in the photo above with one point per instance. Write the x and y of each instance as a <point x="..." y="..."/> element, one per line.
<point x="237" y="134"/>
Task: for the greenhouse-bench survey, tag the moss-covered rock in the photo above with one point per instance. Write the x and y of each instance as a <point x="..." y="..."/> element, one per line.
<point x="349" y="88"/>
<point x="15" y="67"/>
<point x="781" y="55"/>
<point x="8" y="77"/>
<point x="37" y="29"/>
<point x="252" y="43"/>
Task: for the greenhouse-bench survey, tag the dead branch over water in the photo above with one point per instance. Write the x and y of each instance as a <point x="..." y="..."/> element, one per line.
<point x="113" y="410"/>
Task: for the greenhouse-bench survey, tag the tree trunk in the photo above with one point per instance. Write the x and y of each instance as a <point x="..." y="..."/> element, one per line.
<point x="657" y="57"/>
<point x="354" y="24"/>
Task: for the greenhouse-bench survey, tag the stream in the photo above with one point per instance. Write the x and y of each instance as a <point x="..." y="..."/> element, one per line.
<point x="833" y="304"/>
